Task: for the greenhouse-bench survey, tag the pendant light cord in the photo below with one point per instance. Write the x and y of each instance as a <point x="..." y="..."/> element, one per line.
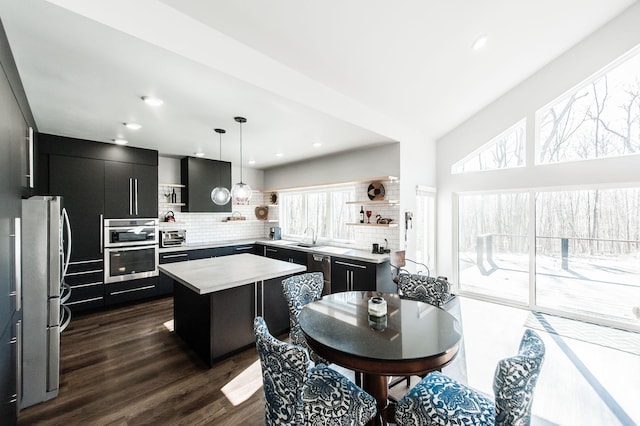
<point x="241" y="181"/>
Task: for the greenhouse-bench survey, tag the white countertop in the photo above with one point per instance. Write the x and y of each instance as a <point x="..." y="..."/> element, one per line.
<point x="220" y="273"/>
<point x="348" y="253"/>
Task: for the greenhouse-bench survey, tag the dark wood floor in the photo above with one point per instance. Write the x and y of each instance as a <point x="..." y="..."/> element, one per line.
<point x="124" y="367"/>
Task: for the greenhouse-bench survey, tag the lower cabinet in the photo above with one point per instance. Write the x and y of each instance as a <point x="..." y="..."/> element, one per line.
<point x="355" y="275"/>
<point x="276" y="308"/>
<point x="165" y="282"/>
<point x="128" y="291"/>
<point x="86" y="279"/>
<point x="10" y="339"/>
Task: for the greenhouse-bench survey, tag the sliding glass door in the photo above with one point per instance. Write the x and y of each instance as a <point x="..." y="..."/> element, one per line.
<point x="586" y="258"/>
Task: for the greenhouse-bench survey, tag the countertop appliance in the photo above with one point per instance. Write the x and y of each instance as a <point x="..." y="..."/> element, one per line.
<point x="46" y="250"/>
<point x="130" y="249"/>
<point x="275" y="233"/>
<point x="321" y="263"/>
<point x="173" y="238"/>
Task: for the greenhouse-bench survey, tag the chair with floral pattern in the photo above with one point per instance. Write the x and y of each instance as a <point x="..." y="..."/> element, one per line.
<point x="440" y="400"/>
<point x="300" y="290"/>
<point x="298" y="394"/>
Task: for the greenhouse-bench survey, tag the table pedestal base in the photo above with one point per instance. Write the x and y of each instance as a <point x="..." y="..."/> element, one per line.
<point x="378" y="387"/>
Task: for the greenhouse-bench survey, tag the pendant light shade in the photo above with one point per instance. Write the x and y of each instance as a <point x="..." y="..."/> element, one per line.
<point x="220" y="195"/>
<point x="241" y="192"/>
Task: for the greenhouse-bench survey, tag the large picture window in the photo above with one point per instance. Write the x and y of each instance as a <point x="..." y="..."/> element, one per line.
<point x="585" y="257"/>
<point x="601" y="118"/>
<point x="323" y="210"/>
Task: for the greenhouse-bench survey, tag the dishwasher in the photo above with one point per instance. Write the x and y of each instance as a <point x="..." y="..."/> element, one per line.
<point x="321" y="263"/>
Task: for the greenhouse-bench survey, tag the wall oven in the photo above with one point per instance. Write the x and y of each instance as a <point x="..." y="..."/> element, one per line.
<point x="130" y="249"/>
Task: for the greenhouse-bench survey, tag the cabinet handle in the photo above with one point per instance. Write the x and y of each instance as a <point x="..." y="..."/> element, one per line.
<point x="243" y="248"/>
<point x="136" y="194"/>
<point x="17" y="262"/>
<point x="171" y="256"/>
<point x="271" y="250"/>
<point x="353" y="265"/>
<point x="147" y="287"/>
<point x="19" y="358"/>
<point x="130" y="196"/>
<point x="101" y="230"/>
<point x="30" y="153"/>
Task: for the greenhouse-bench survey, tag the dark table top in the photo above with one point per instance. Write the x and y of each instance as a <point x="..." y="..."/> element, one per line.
<point x="411" y="329"/>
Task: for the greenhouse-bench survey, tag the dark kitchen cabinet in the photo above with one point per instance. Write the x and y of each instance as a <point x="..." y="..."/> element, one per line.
<point x="275" y="305"/>
<point x="130" y="190"/>
<point x="210" y="252"/>
<point x="86" y="279"/>
<point x="201" y="176"/>
<point x="165" y="282"/>
<point x="288" y="255"/>
<point x="93" y="178"/>
<point x="15" y="120"/>
<point x="80" y="181"/>
<point x="10" y="341"/>
<point x="130" y="290"/>
<point x="356" y="275"/>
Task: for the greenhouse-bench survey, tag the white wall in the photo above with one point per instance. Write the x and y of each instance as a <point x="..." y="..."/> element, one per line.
<point x="605" y="45"/>
<point x="383" y="160"/>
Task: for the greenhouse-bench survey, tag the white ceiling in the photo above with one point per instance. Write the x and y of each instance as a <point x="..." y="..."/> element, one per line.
<point x="347" y="74"/>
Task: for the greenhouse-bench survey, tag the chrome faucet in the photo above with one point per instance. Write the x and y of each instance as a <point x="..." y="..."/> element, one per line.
<point x="313" y="234"/>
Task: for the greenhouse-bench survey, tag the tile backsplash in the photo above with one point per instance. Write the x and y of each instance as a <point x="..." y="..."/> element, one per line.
<point x="204" y="228"/>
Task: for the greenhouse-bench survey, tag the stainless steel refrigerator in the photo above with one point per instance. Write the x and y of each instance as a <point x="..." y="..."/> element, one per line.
<point x="46" y="250"/>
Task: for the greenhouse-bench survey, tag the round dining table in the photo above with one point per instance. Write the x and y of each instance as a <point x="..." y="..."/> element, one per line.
<point x="413" y="338"/>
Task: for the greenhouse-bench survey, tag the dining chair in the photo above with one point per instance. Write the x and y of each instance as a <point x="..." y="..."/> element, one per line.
<point x="440" y="400"/>
<point x="298" y="394"/>
<point x="300" y="290"/>
<point x="424" y="288"/>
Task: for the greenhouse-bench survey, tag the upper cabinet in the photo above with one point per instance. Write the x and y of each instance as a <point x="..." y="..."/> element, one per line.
<point x="200" y="176"/>
<point x="131" y="190"/>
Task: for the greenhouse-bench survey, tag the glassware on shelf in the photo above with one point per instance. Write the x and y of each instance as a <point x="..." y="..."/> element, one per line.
<point x="368" y="216"/>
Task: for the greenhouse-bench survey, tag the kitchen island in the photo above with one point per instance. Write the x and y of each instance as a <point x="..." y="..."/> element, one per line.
<point x="215" y="300"/>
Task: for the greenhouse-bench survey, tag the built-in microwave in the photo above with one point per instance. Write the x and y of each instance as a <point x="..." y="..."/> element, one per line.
<point x="130" y="232"/>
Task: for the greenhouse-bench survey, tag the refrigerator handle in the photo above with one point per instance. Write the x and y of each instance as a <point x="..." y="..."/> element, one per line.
<point x="67" y="258"/>
<point x="101" y="230"/>
<point x="130" y="196"/>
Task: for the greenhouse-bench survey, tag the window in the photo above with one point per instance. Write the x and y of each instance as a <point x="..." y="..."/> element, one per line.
<point x="493" y="245"/>
<point x="584" y="263"/>
<point x="325" y="210"/>
<point x="601" y="118"/>
<point x="507" y="150"/>
<point x="587" y="250"/>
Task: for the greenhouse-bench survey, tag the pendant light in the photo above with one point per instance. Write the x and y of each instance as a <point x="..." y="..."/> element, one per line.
<point x="220" y="195"/>
<point x="241" y="192"/>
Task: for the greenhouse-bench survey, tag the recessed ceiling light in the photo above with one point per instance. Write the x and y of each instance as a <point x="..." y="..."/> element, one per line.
<point x="480" y="42"/>
<point x="132" y="126"/>
<point x="252" y="162"/>
<point x="120" y="141"/>
<point x="150" y="100"/>
<point x="279" y="154"/>
<point x="199" y="154"/>
<point x="316" y="144"/>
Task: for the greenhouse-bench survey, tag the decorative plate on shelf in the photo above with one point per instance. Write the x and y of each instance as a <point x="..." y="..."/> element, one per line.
<point x="375" y="191"/>
<point x="273" y="198"/>
<point x="262" y="212"/>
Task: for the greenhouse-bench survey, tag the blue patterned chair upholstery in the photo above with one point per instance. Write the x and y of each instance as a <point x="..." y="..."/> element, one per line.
<point x="434" y="291"/>
<point x="298" y="394"/>
<point x="439" y="400"/>
<point x="300" y="290"/>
